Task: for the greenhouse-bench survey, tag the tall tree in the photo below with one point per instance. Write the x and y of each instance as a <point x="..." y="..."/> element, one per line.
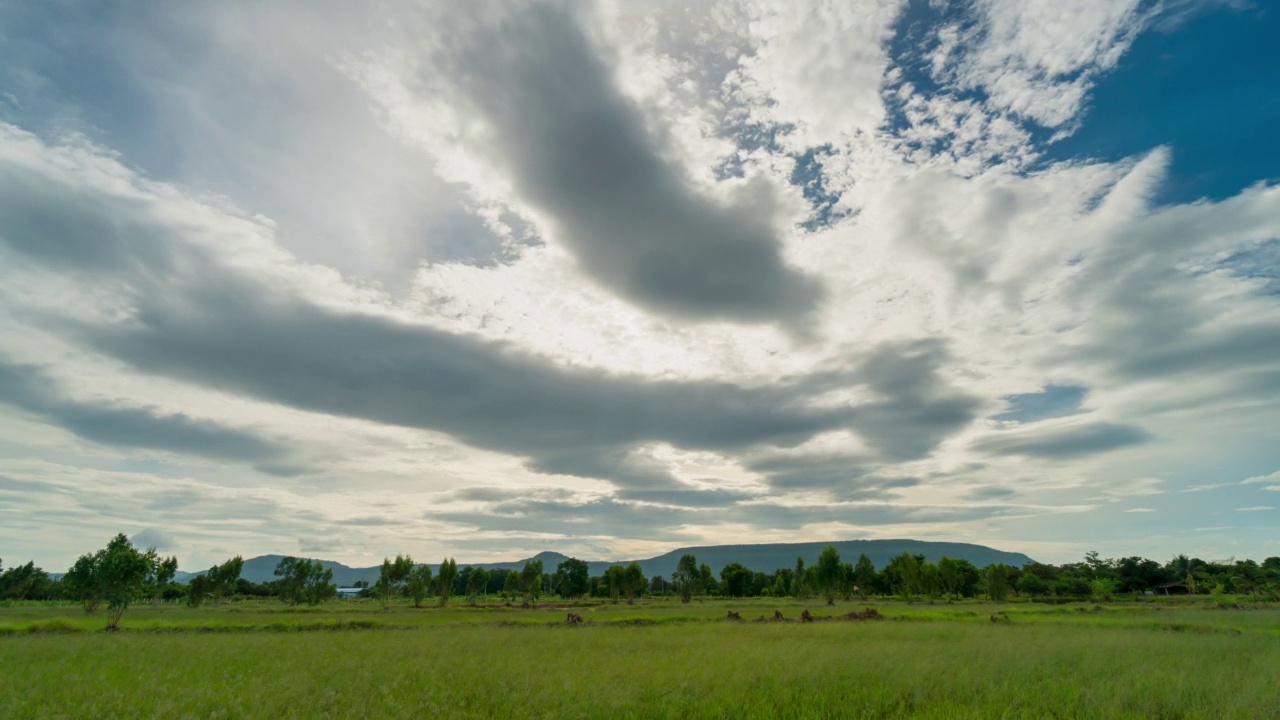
<point x="531" y="581"/>
<point x="418" y="584"/>
<point x="511" y="587"/>
<point x="706" y="580"/>
<point x="997" y="576"/>
<point x="22" y="581"/>
<point x="81" y="582"/>
<point x="223" y="577"/>
<point x="162" y="573"/>
<point x="116" y="575"/>
<point x="392" y="576"/>
<point x="798" y="580"/>
<point x="903" y="573"/>
<point x="574" y="576"/>
<point x="633" y="582"/>
<point x="477" y="581"/>
<point x="736" y="580"/>
<point x="949" y="576"/>
<point x="686" y="578"/>
<point x="306" y="581"/>
<point x="448" y="574"/>
<point x="830" y="573"/>
<point x="864" y="575"/>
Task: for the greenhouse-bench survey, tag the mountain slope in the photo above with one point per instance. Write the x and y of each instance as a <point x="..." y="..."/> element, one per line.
<point x="763" y="558"/>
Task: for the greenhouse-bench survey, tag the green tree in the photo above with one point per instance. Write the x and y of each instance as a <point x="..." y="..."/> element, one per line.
<point x="949" y="576"/>
<point x="531" y="581"/>
<point x="686" y="578"/>
<point x="829" y="573"/>
<point x="392" y="576"/>
<point x="782" y="580"/>
<point x="798" y="581"/>
<point x="1032" y="585"/>
<point x="223" y="578"/>
<point x="707" y="580"/>
<point x="418" y="584"/>
<point x="511" y="587"/>
<point x="306" y="581"/>
<point x="477" y="581"/>
<point x="736" y="580"/>
<point x="612" y="580"/>
<point x="199" y="589"/>
<point x="997" y="576"/>
<point x="22" y="581"/>
<point x="633" y="582"/>
<point x="162" y="573"/>
<point x="864" y="575"/>
<point x="903" y="574"/>
<point x="574" y="576"/>
<point x="116" y="575"/>
<point x="81" y="582"/>
<point x="448" y="575"/>
<point x="319" y="585"/>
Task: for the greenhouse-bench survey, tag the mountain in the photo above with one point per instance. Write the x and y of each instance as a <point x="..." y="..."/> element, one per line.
<point x="767" y="558"/>
<point x="763" y="558"/>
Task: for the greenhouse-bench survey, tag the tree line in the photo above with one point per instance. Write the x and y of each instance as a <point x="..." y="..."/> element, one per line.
<point x="120" y="574"/>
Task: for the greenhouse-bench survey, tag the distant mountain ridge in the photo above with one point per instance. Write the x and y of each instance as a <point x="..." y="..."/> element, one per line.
<point x="763" y="558"/>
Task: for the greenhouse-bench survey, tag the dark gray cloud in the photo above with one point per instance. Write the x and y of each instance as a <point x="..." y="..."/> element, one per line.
<point x="194" y="319"/>
<point x="1052" y="401"/>
<point x="919" y="409"/>
<point x="25" y="387"/>
<point x="686" y="498"/>
<point x="843" y="477"/>
<point x="1066" y="443"/>
<point x="615" y="518"/>
<point x="606" y="517"/>
<point x="580" y="151"/>
<point x="991" y="492"/>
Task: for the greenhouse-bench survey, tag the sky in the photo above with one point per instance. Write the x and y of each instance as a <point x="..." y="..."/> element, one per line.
<point x="611" y="278"/>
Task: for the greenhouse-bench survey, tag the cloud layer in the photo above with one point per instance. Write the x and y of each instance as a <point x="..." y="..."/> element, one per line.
<point x="604" y="280"/>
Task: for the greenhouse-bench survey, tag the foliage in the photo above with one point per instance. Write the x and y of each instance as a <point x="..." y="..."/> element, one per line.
<point x="306" y="581"/>
<point x="686" y="578"/>
<point x="736" y="580"/>
<point x="392" y="577"/>
<point x="799" y="586"/>
<point x="573" y="578"/>
<point x="633" y="581"/>
<point x="830" y="573"/>
<point x="222" y="578"/>
<point x="531" y="581"/>
<point x="477" y="581"/>
<point x="115" y="575"/>
<point x="444" y="581"/>
<point x="997" y="577"/>
<point x="21" y="582"/>
<point x="418" y="584"/>
<point x="160" y="576"/>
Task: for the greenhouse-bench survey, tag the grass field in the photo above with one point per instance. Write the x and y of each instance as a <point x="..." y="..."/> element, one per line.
<point x="659" y="659"/>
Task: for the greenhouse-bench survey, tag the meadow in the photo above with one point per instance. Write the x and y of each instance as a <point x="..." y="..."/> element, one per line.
<point x="656" y="659"/>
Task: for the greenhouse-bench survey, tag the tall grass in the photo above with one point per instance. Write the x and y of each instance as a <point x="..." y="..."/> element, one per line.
<point x="933" y="662"/>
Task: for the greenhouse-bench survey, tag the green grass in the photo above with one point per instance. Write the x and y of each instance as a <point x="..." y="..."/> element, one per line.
<point x="663" y="659"/>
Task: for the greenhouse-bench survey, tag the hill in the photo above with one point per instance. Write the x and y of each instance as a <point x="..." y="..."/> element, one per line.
<point x="764" y="558"/>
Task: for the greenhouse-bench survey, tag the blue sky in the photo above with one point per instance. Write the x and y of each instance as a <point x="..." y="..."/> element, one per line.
<point x="611" y="278"/>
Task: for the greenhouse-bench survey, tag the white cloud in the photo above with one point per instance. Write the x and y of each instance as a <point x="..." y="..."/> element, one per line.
<point x="1262" y="479"/>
